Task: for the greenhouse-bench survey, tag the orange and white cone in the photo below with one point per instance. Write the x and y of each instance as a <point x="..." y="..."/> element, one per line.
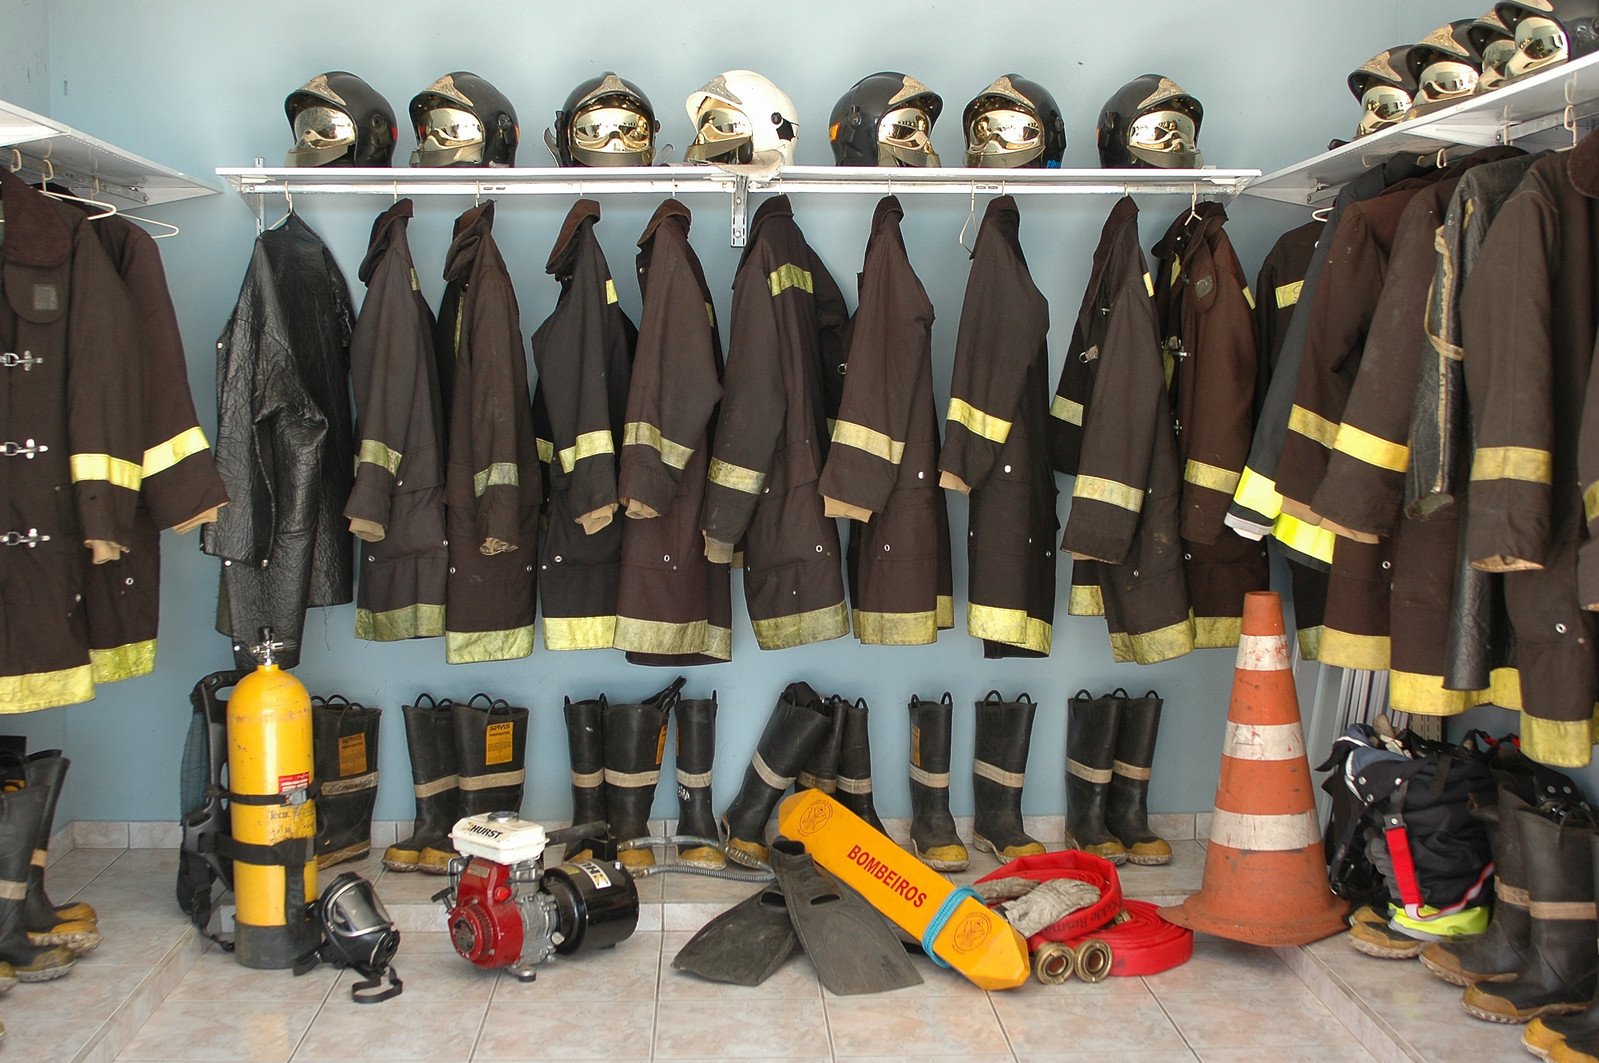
<point x="1265" y="873"/>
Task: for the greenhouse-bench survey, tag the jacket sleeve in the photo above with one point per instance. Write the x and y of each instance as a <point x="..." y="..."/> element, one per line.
<point x="496" y="474"/>
<point x="1119" y="431"/>
<point x="105" y="390"/>
<point x="885" y="358"/>
<point x="1588" y="475"/>
<point x="675" y="387"/>
<point x="753" y="408"/>
<point x="1217" y="443"/>
<point x="388" y="353"/>
<point x="1509" y="378"/>
<point x="997" y="341"/>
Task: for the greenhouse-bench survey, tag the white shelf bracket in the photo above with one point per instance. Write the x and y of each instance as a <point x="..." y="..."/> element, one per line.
<point x="740" y="211"/>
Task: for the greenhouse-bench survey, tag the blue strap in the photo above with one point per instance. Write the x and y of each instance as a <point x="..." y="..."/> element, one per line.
<point x="942" y="916"/>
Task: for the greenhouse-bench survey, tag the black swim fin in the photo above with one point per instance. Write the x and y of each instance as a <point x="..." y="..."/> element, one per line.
<point x="745" y="945"/>
<point x="851" y="945"/>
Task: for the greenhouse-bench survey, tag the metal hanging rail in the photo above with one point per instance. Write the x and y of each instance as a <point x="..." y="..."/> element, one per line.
<point x="261" y="181"/>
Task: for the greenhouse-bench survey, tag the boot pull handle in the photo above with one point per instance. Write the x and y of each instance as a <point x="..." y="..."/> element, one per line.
<point x="992" y="695"/>
<point x="1151" y="694"/>
<point x="1082" y="695"/>
<point x="666" y="697"/>
<point x="480" y="694"/>
<point x="860" y="703"/>
<point x="416" y="702"/>
<point x="1119" y="692"/>
<point x="603" y="702"/>
<point x="947" y="699"/>
<point x="337" y="703"/>
<point x="915" y="701"/>
<point x="1024" y="696"/>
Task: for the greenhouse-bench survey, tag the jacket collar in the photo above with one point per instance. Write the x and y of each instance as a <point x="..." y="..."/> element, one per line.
<point x="775" y="207"/>
<point x="472" y="229"/>
<point x="580" y="219"/>
<point x="388" y="229"/>
<point x="1583" y="166"/>
<point x="672" y="208"/>
<point x="36" y="233"/>
<point x="1124" y="212"/>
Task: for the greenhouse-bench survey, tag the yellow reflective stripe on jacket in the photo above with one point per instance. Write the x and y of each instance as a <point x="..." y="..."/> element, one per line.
<point x="587" y="445"/>
<point x="500" y="474"/>
<point x="1066" y="410"/>
<point x="1288" y="294"/>
<point x="610" y="290"/>
<point x="163" y="456"/>
<point x="1373" y="450"/>
<point x="546" y="450"/>
<point x="873" y="442"/>
<point x="735" y="477"/>
<point x="375" y="453"/>
<point x="1249" y="297"/>
<point x="1110" y="492"/>
<point x="1258" y="494"/>
<point x="1590" y="500"/>
<point x="986" y="425"/>
<point x="1312" y="425"/>
<point x="1307" y="539"/>
<point x="789" y="276"/>
<point x="1507" y="463"/>
<point x="104" y="467"/>
<point x="1201" y="474"/>
<point x="644" y="434"/>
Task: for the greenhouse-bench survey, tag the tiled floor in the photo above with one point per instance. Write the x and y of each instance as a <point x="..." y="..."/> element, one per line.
<point x="152" y="994"/>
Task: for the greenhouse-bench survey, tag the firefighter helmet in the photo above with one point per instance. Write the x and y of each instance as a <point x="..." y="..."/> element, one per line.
<point x="1494" y="44"/>
<point x="606" y="121"/>
<point x="1385" y="89"/>
<point x="1150" y="122"/>
<point x="340" y="120"/>
<point x="1014" y="122"/>
<point x="1445" y="65"/>
<point x="741" y="118"/>
<point x="1549" y="32"/>
<point x="885" y="119"/>
<point x="462" y="120"/>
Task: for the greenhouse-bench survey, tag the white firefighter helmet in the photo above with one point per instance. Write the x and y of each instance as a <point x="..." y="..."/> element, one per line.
<point x="741" y="118"/>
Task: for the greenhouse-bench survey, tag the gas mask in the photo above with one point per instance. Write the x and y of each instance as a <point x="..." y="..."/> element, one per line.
<point x="356" y="932"/>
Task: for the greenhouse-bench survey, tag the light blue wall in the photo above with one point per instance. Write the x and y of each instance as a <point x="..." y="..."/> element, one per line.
<point x="25" y="53"/>
<point x="199" y="84"/>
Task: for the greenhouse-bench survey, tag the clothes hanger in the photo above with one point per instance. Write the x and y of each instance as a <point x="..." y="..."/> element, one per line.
<point x="1193" y="206"/>
<point x="288" y="202"/>
<point x="47" y="170"/>
<point x="168" y="229"/>
<point x="1321" y="213"/>
<point x="971" y="216"/>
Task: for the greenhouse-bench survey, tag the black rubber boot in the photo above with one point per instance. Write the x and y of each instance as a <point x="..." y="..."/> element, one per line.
<point x="344" y="743"/>
<point x="491" y="747"/>
<point x="821" y="767"/>
<point x="1499" y="952"/>
<point x="800" y="721"/>
<point x="1559" y="976"/>
<point x="1090" y="756"/>
<point x="855" y="765"/>
<point x="1576" y="1036"/>
<point x="635" y="742"/>
<point x="585" y="742"/>
<point x="1127" y="805"/>
<point x="1004" y="735"/>
<point x="45" y="922"/>
<point x="696" y="751"/>
<point x="21" y="813"/>
<point x="934" y="839"/>
<point x="430" y="740"/>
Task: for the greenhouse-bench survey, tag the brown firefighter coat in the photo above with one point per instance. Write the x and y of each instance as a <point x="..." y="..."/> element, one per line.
<point x="491" y="479"/>
<point x="1123" y="529"/>
<point x="584" y="354"/>
<point x="1529" y="315"/>
<point x="674" y="605"/>
<point x="396" y="508"/>
<point x="72" y="441"/>
<point x="770" y="445"/>
<point x="1207" y="328"/>
<point x="882" y="470"/>
<point x="179" y="486"/>
<point x="995" y="447"/>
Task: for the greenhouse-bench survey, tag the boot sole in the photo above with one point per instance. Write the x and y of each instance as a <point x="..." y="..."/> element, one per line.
<point x="402" y="868"/>
<point x="1371" y="948"/>
<point x="940" y="865"/>
<point x="354" y="852"/>
<point x="47" y="974"/>
<point x="1148" y="861"/>
<point x="81" y="944"/>
<point x="1509" y="1020"/>
<point x="983" y="845"/>
<point x="1461" y="979"/>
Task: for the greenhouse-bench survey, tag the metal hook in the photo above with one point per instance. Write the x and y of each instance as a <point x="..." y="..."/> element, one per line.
<point x="1193" y="205"/>
<point x="477" y="194"/>
<point x="971" y="215"/>
<point x="47" y="171"/>
<point x="1568" y="120"/>
<point x="16" y="160"/>
<point x="396" y="188"/>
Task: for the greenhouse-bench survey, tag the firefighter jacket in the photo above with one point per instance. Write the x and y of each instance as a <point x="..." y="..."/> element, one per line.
<point x="882" y="468"/>
<point x="179" y="486"/>
<point x="72" y="441"/>
<point x="1528" y="316"/>
<point x="491" y="478"/>
<point x="995" y="446"/>
<point x="1257" y="508"/>
<point x="284" y="443"/>
<point x="770" y="444"/>
<point x="674" y="605"/>
<point x="584" y="354"/>
<point x="396" y="508"/>
<point x="1124" y="518"/>
<point x="1207" y="330"/>
<point x="1280" y="283"/>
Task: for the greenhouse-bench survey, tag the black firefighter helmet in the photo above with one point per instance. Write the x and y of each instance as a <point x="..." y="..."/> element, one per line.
<point x="340" y="120"/>
<point x="1385" y="89"/>
<point x="1014" y="122"/>
<point x="1445" y="64"/>
<point x="605" y="121"/>
<point x="1549" y="32"/>
<point x="1494" y="44"/>
<point x="1151" y="122"/>
<point x="462" y="120"/>
<point x="885" y="119"/>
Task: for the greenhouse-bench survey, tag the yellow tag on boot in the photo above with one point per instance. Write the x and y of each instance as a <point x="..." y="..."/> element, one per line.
<point x="497" y="743"/>
<point x="352" y="755"/>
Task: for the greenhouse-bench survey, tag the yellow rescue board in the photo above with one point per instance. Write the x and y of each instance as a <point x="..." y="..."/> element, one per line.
<point x="974" y="940"/>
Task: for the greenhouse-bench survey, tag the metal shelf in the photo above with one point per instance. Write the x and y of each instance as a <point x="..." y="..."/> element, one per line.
<point x="87" y="165"/>
<point x="260" y="181"/>
<point x="1530" y="112"/>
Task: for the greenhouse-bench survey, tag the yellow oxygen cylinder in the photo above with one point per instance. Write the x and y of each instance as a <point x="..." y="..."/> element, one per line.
<point x="273" y="816"/>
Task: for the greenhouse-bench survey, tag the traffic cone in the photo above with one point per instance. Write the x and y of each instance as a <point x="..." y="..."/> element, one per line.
<point x="1265" y="875"/>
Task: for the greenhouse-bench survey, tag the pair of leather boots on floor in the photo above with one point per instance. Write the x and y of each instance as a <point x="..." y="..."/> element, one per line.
<point x="467" y="758"/>
<point x="616" y="752"/>
<point x="344" y="744"/>
<point x="1110" y="751"/>
<point x="39" y="940"/>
